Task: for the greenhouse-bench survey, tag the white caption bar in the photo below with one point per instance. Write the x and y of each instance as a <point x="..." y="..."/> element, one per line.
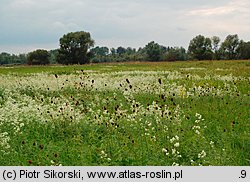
<point x="120" y="174"/>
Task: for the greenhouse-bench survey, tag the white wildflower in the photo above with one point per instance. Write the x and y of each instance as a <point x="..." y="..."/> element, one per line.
<point x="197" y="132"/>
<point x="177" y="144"/>
<point x="172" y="140"/>
<point x="196" y="127"/>
<point x="198" y="115"/>
<point x="202" y="154"/>
<point x="177" y="138"/>
<point x="165" y="151"/>
<point x="197" y="121"/>
<point x="212" y="143"/>
<point x="175" y="164"/>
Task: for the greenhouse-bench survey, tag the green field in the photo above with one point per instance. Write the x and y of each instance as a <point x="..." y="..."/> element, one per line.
<point x="176" y="113"/>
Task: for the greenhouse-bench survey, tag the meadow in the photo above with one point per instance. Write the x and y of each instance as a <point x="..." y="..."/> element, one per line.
<point x="165" y="114"/>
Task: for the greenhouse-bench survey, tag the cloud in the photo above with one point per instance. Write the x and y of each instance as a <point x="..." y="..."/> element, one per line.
<point x="231" y="17"/>
<point x="231" y="8"/>
<point x="212" y="11"/>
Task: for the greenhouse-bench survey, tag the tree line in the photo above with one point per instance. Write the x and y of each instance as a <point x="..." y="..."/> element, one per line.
<point x="78" y="48"/>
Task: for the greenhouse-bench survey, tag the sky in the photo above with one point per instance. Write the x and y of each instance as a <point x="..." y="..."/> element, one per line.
<point x="26" y="25"/>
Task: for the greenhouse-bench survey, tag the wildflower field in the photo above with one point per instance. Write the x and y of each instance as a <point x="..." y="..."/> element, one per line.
<point x="181" y="113"/>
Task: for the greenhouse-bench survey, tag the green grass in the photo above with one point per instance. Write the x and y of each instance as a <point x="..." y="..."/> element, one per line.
<point x="178" y="113"/>
<point x="234" y="67"/>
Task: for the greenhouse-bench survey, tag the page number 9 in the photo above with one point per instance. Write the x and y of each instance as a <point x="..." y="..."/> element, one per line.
<point x="243" y="174"/>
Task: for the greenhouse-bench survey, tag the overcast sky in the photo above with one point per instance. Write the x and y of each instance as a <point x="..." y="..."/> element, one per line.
<point x="26" y="25"/>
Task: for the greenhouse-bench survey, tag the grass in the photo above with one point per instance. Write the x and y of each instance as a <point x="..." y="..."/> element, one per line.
<point x="178" y="113"/>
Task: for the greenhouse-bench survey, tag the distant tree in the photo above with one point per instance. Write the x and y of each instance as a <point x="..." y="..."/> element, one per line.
<point x="215" y="47"/>
<point x="215" y="42"/>
<point x="130" y="51"/>
<point x="38" y="57"/>
<point x="154" y="51"/>
<point x="104" y="51"/>
<point x="121" y="50"/>
<point x="22" y="59"/>
<point x="53" y="56"/>
<point x="229" y="47"/>
<point x="5" y="58"/>
<point x="100" y="51"/>
<point x="200" y="48"/>
<point x="243" y="50"/>
<point x="113" y="51"/>
<point x="99" y="54"/>
<point x="74" y="48"/>
<point x="140" y="54"/>
<point x="175" y="54"/>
